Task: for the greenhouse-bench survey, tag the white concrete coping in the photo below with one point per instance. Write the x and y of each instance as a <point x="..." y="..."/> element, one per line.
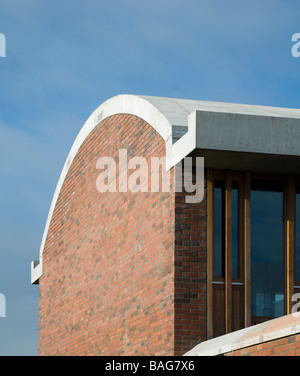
<point x="267" y="331"/>
<point x="36" y="272"/>
<point x="162" y="114"/>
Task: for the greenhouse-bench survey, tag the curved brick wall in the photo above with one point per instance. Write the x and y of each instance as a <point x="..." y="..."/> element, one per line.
<point x="108" y="265"/>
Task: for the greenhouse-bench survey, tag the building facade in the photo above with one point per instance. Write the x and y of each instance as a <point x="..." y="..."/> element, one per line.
<point x="147" y="253"/>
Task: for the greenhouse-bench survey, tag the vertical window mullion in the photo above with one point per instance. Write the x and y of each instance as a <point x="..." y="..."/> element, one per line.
<point x="210" y="251"/>
<point x="297" y="237"/>
<point x="247" y="247"/>
<point x="219" y="231"/>
<point x="228" y="252"/>
<point x="235" y="255"/>
<point x="289" y="240"/>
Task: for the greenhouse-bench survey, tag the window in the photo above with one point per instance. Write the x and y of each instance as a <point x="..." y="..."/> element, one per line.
<point x="297" y="258"/>
<point x="235" y="230"/>
<point x="253" y="235"/>
<point x="219" y="264"/>
<point x="227" y="261"/>
<point x="219" y="228"/>
<point x="266" y="250"/>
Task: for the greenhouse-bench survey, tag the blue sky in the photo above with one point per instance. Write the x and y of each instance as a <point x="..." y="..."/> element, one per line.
<point x="64" y="58"/>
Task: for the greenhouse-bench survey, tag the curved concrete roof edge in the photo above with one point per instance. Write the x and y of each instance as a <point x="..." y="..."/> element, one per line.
<point x="189" y="105"/>
<point x="161" y="113"/>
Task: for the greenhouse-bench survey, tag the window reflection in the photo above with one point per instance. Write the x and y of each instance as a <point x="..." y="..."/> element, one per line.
<point x="235" y="231"/>
<point x="219" y="230"/>
<point x="297" y="268"/>
<point x="267" y="249"/>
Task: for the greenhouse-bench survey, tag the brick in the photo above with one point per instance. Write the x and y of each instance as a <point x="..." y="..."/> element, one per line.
<point x="123" y="273"/>
<point x="108" y="257"/>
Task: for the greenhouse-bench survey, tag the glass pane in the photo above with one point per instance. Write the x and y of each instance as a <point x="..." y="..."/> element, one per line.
<point x="219" y="254"/>
<point x="235" y="231"/>
<point x="297" y="269"/>
<point x="267" y="251"/>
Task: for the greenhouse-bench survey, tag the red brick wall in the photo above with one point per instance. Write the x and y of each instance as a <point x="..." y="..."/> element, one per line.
<point x="190" y="273"/>
<point x="108" y="265"/>
<point x="287" y="346"/>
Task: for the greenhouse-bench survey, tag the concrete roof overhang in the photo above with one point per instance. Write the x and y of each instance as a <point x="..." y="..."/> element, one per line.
<point x="227" y="135"/>
<point x="261" y="142"/>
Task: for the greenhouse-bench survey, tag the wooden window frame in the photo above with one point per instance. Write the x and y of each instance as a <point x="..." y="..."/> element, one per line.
<point x="296" y="283"/>
<point x="244" y="241"/>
